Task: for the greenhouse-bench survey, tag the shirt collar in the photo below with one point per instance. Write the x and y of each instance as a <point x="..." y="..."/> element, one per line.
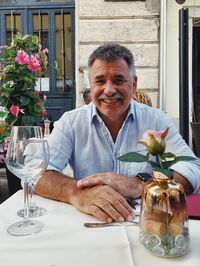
<point x="131" y="112"/>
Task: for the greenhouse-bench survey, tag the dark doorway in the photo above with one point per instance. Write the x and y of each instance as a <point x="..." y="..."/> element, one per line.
<point x="195" y="125"/>
<point x="196" y="73"/>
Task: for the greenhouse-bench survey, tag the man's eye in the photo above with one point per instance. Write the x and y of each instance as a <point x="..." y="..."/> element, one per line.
<point x="100" y="81"/>
<point x="118" y="81"/>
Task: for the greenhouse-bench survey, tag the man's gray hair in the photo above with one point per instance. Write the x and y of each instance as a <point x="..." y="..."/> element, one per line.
<point x="111" y="52"/>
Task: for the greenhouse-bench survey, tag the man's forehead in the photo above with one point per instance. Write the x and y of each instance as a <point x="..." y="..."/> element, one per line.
<point x="99" y="61"/>
<point x="115" y="67"/>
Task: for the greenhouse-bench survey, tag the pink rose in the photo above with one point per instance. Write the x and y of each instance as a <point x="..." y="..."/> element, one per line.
<point x="22" y="57"/>
<point x="154" y="141"/>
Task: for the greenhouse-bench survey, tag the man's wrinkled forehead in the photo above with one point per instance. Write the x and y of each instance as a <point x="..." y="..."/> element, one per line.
<point x="110" y="63"/>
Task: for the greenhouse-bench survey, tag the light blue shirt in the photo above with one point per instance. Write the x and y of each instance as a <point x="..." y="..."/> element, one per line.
<point x="81" y="139"/>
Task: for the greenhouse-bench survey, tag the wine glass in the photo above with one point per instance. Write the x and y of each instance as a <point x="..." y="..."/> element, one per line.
<point x="34" y="210"/>
<point x="27" y="158"/>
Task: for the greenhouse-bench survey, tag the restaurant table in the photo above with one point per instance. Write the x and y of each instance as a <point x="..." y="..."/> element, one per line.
<point x="64" y="241"/>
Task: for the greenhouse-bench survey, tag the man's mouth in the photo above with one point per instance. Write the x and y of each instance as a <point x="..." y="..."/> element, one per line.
<point x="110" y="100"/>
<point x="113" y="99"/>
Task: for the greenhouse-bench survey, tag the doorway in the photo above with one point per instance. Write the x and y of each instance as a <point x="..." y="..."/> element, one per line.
<point x="195" y="124"/>
<point x="196" y="73"/>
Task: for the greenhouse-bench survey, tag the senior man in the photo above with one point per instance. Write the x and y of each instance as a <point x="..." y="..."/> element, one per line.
<point x="91" y="138"/>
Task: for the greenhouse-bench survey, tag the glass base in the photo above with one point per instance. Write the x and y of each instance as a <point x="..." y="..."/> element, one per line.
<point x="33" y="212"/>
<point x="25" y="228"/>
<point x="166" y="246"/>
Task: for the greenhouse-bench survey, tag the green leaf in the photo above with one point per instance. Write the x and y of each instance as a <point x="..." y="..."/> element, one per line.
<point x="3" y="114"/>
<point x="181" y="158"/>
<point x="11" y="119"/>
<point x="4" y="134"/>
<point x="28" y="120"/>
<point x="166" y="172"/>
<point x="133" y="157"/>
<point x="168" y="155"/>
<point x="25" y="100"/>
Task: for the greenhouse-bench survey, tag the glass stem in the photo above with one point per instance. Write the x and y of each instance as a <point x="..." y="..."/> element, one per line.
<point x="26" y="208"/>
<point x="31" y="196"/>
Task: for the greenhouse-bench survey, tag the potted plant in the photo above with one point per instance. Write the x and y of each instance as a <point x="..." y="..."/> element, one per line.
<point x="21" y="64"/>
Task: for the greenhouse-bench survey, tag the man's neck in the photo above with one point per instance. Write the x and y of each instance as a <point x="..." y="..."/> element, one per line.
<point x="113" y="126"/>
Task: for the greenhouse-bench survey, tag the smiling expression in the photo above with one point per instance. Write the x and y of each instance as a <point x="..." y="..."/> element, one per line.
<point x="112" y="87"/>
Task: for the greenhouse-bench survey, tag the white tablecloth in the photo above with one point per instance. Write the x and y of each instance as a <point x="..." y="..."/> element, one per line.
<point x="64" y="240"/>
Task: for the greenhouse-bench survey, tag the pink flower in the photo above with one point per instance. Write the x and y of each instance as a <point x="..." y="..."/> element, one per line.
<point x="43" y="112"/>
<point x="45" y="98"/>
<point x="14" y="109"/>
<point x="34" y="63"/>
<point x="36" y="93"/>
<point x="154" y="141"/>
<point x="38" y="104"/>
<point x="45" y="51"/>
<point x="22" y="57"/>
<point x="37" y="57"/>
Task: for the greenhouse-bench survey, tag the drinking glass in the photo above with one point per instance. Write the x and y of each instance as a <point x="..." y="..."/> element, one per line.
<point x="27" y="158"/>
<point x="34" y="210"/>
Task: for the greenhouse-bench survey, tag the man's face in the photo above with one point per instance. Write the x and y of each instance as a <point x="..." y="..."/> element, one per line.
<point x="112" y="88"/>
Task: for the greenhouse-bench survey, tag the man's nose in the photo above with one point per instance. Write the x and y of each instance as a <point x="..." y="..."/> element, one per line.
<point x="110" y="88"/>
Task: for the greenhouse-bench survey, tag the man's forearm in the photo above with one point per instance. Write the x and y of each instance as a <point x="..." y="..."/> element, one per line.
<point x="57" y="186"/>
<point x="101" y="201"/>
<point x="185" y="183"/>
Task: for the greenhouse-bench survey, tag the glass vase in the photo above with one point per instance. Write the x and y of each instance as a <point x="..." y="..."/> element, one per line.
<point x="163" y="220"/>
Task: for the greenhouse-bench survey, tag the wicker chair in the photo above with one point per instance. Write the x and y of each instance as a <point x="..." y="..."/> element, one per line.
<point x="142" y="97"/>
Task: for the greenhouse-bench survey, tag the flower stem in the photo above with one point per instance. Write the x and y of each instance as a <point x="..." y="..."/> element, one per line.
<point x="160" y="161"/>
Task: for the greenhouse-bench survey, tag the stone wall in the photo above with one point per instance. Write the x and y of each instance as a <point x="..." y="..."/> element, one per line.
<point x="134" y="24"/>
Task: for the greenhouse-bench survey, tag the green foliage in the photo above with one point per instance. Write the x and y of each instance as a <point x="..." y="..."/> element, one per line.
<point x="161" y="165"/>
<point x="17" y="83"/>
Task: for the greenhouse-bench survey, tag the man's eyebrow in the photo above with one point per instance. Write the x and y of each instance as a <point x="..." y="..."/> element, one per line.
<point x="118" y="76"/>
<point x="100" y="77"/>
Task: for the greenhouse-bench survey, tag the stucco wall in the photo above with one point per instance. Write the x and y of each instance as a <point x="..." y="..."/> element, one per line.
<point x="134" y="24"/>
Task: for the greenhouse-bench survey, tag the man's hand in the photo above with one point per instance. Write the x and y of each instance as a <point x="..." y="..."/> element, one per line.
<point x="100" y="201"/>
<point x="128" y="187"/>
<point x="104" y="203"/>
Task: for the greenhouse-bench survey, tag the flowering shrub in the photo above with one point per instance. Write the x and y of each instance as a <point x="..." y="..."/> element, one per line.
<point x="21" y="63"/>
<point x="156" y="145"/>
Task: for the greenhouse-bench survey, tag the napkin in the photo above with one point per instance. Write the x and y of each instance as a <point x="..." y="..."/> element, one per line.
<point x="193" y="206"/>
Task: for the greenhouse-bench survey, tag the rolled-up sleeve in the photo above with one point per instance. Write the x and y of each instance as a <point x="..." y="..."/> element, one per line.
<point x="60" y="144"/>
<point x="190" y="170"/>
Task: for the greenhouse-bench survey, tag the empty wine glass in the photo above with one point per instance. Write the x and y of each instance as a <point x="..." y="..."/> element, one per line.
<point x="26" y="158"/>
<point x="34" y="210"/>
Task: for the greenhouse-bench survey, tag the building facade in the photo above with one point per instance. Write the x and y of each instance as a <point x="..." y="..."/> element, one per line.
<point x="134" y="24"/>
